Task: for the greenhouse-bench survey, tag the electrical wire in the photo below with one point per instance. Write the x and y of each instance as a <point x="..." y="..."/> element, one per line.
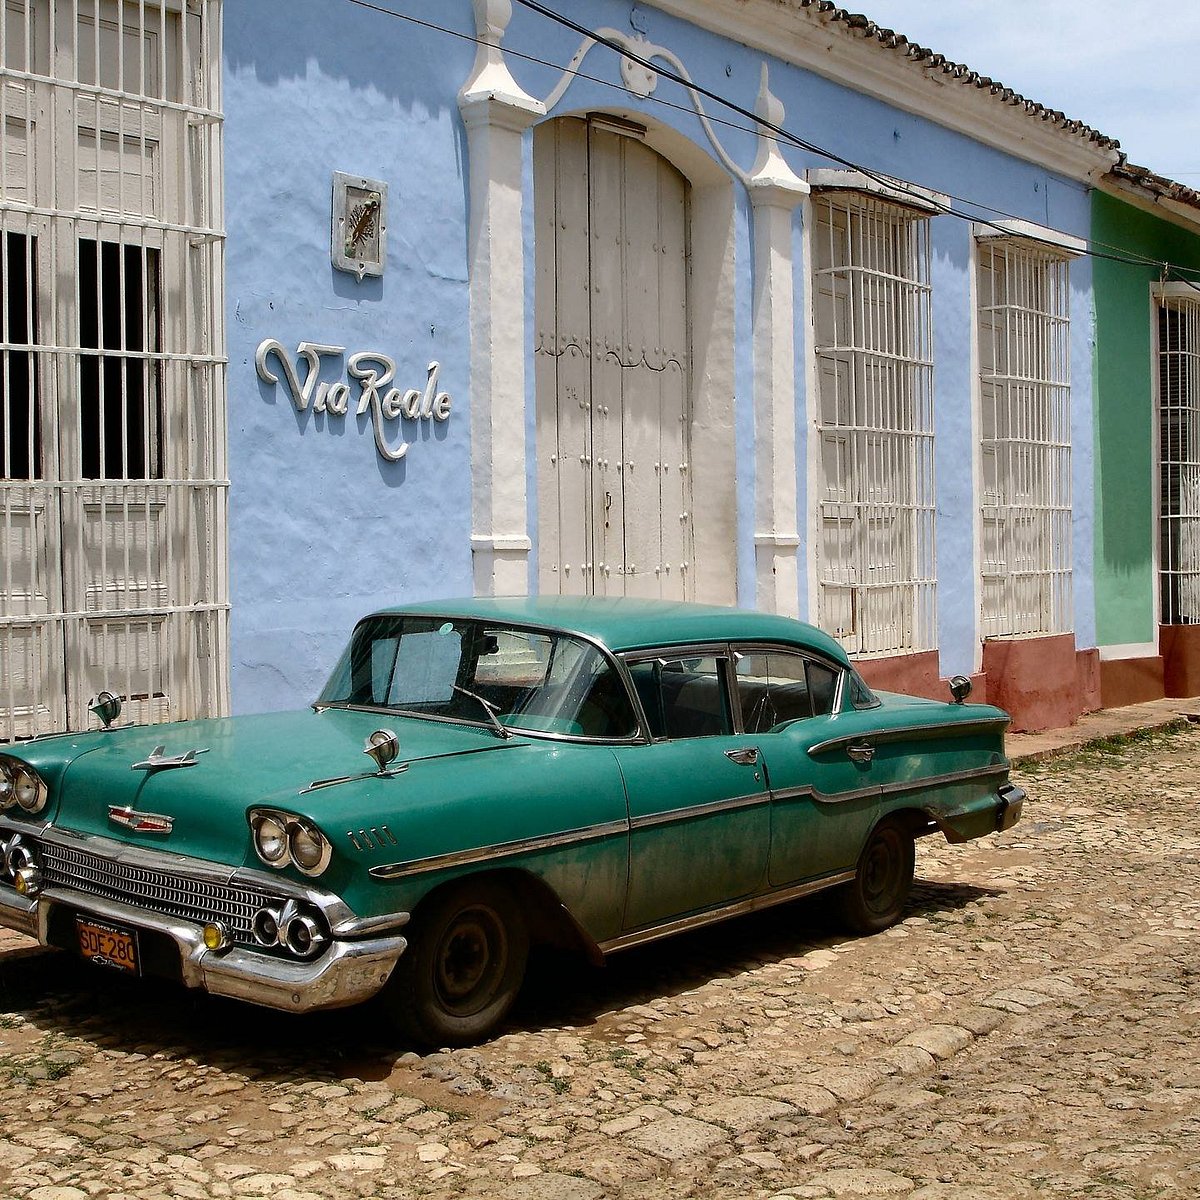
<point x="1109" y="252"/>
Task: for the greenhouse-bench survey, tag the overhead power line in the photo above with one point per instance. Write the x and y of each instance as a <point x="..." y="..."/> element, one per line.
<point x="1096" y="249"/>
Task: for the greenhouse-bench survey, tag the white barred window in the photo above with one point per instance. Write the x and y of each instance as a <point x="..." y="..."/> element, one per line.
<point x="1179" y="456"/>
<point x="875" y="550"/>
<point x="113" y="468"/>
<point x="1023" y="336"/>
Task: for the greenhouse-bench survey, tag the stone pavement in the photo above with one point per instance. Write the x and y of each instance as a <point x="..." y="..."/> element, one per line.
<point x="1029" y="1030"/>
<point x="1105" y="724"/>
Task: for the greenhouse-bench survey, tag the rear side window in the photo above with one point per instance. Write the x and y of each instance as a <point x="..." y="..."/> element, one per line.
<point x="684" y="697"/>
<point x="775" y="688"/>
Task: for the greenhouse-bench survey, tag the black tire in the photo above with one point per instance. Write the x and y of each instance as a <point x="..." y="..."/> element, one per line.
<point x="463" y="968"/>
<point x="876" y="897"/>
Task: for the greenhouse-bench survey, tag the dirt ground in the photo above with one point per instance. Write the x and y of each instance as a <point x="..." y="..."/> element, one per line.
<point x="1029" y="1030"/>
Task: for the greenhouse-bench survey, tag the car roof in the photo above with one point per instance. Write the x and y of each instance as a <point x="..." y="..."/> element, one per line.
<point x="623" y="623"/>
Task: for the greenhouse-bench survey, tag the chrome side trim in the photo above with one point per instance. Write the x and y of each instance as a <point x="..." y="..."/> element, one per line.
<point x="360" y="927"/>
<point x="766" y="900"/>
<point x="478" y="854"/>
<point x="808" y="792"/>
<point x="917" y="731"/>
<point x="919" y="785"/>
<point x="699" y="810"/>
<point x="890" y="789"/>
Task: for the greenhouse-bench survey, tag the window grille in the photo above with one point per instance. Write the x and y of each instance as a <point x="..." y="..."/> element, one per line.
<point x="875" y="545"/>
<point x="113" y="467"/>
<point x="1179" y="459"/>
<point x="1022" y="326"/>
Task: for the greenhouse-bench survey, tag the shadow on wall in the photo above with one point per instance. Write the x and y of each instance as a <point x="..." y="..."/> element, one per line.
<point x="294" y="41"/>
<point x="283" y="39"/>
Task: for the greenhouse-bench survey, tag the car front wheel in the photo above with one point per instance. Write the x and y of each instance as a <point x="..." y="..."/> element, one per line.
<point x="463" y="968"/>
<point x="876" y="897"/>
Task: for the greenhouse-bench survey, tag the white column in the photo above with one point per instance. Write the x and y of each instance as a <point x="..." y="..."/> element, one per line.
<point x="496" y="113"/>
<point x="774" y="193"/>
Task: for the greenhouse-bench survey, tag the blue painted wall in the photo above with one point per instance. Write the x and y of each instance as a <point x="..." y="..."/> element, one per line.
<point x="321" y="528"/>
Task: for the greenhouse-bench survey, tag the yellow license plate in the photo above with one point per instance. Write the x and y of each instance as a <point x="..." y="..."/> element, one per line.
<point x="108" y="945"/>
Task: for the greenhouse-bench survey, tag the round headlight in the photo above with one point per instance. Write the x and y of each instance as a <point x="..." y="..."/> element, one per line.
<point x="29" y="790"/>
<point x="303" y="936"/>
<point x="8" y="786"/>
<point x="265" y="927"/>
<point x="270" y="838"/>
<point x="309" y="849"/>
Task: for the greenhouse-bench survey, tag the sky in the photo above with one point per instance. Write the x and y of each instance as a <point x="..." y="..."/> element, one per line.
<point x="1125" y="67"/>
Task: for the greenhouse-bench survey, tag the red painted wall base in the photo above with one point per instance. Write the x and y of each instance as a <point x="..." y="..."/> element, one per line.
<point x="1040" y="681"/>
<point x="1180" y="649"/>
<point x="1131" y="681"/>
<point x="913" y="674"/>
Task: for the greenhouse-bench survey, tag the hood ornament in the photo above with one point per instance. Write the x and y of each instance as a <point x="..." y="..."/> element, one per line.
<point x="160" y="761"/>
<point x="140" y="822"/>
<point x="106" y="706"/>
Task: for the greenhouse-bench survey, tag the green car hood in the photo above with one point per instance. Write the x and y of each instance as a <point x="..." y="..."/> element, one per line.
<point x="240" y="762"/>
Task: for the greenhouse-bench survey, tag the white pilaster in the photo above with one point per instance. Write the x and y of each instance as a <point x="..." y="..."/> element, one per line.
<point x="774" y="193"/>
<point x="496" y="113"/>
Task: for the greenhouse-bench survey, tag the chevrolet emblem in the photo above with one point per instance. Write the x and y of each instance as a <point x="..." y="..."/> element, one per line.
<point x="140" y="822"/>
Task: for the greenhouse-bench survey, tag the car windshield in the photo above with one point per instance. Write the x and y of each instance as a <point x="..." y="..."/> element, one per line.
<point x="484" y="673"/>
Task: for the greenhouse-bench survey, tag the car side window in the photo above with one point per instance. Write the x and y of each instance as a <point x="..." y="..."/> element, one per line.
<point x="775" y="687"/>
<point x="683" y="697"/>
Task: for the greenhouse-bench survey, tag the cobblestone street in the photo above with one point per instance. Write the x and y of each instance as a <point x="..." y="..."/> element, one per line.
<point x="1029" y="1030"/>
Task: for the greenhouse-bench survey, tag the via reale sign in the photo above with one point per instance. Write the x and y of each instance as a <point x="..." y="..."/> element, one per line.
<point x="371" y="373"/>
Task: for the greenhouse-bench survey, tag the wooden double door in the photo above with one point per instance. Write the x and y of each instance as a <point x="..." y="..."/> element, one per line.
<point x="612" y="364"/>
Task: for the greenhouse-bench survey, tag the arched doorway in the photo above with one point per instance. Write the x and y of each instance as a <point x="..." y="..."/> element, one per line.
<point x="612" y="359"/>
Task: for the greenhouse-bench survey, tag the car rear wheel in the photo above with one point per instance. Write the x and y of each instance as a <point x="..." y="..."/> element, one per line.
<point x="463" y="967"/>
<point x="876" y="897"/>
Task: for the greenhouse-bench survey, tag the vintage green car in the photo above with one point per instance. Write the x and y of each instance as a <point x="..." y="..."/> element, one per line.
<point x="590" y="773"/>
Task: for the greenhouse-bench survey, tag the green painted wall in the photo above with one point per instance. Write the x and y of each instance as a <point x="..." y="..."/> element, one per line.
<point x="1124" y="379"/>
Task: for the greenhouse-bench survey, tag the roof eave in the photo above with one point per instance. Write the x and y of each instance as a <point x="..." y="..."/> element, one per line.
<point x="833" y="43"/>
<point x="1153" y="193"/>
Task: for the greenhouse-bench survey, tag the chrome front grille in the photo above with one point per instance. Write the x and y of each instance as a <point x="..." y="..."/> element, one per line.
<point x="158" y="891"/>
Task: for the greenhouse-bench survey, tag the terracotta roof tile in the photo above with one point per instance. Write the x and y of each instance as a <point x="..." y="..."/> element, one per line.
<point x="930" y="61"/>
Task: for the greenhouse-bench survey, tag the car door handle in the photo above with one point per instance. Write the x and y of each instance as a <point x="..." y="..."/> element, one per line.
<point x="744" y="756"/>
<point x="860" y="752"/>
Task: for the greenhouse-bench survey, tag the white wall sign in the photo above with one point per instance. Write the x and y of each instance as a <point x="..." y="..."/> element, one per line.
<point x="372" y="371"/>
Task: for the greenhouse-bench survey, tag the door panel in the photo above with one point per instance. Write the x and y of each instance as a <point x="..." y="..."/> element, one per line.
<point x="698" y="805"/>
<point x="699" y="826"/>
<point x="611" y="227"/>
<point x="813" y="836"/>
<point x="822" y="804"/>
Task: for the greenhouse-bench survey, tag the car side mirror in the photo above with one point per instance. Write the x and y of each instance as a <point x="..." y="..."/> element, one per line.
<point x="960" y="688"/>
<point x="383" y="746"/>
<point x="106" y="706"/>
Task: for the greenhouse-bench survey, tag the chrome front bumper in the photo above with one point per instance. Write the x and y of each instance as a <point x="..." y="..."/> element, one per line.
<point x="351" y="970"/>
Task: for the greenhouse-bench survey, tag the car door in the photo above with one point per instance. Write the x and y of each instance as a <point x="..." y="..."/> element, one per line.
<point x="699" y="823"/>
<point x="819" y="762"/>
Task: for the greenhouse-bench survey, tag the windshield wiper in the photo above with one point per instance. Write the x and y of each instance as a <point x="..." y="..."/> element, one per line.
<point x="489" y="708"/>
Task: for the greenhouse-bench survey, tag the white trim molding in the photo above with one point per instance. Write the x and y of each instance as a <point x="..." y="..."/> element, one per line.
<point x="910" y="195"/>
<point x="1067" y="244"/>
<point x="496" y="113"/>
<point x="775" y="191"/>
<point x="1129" y="650"/>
